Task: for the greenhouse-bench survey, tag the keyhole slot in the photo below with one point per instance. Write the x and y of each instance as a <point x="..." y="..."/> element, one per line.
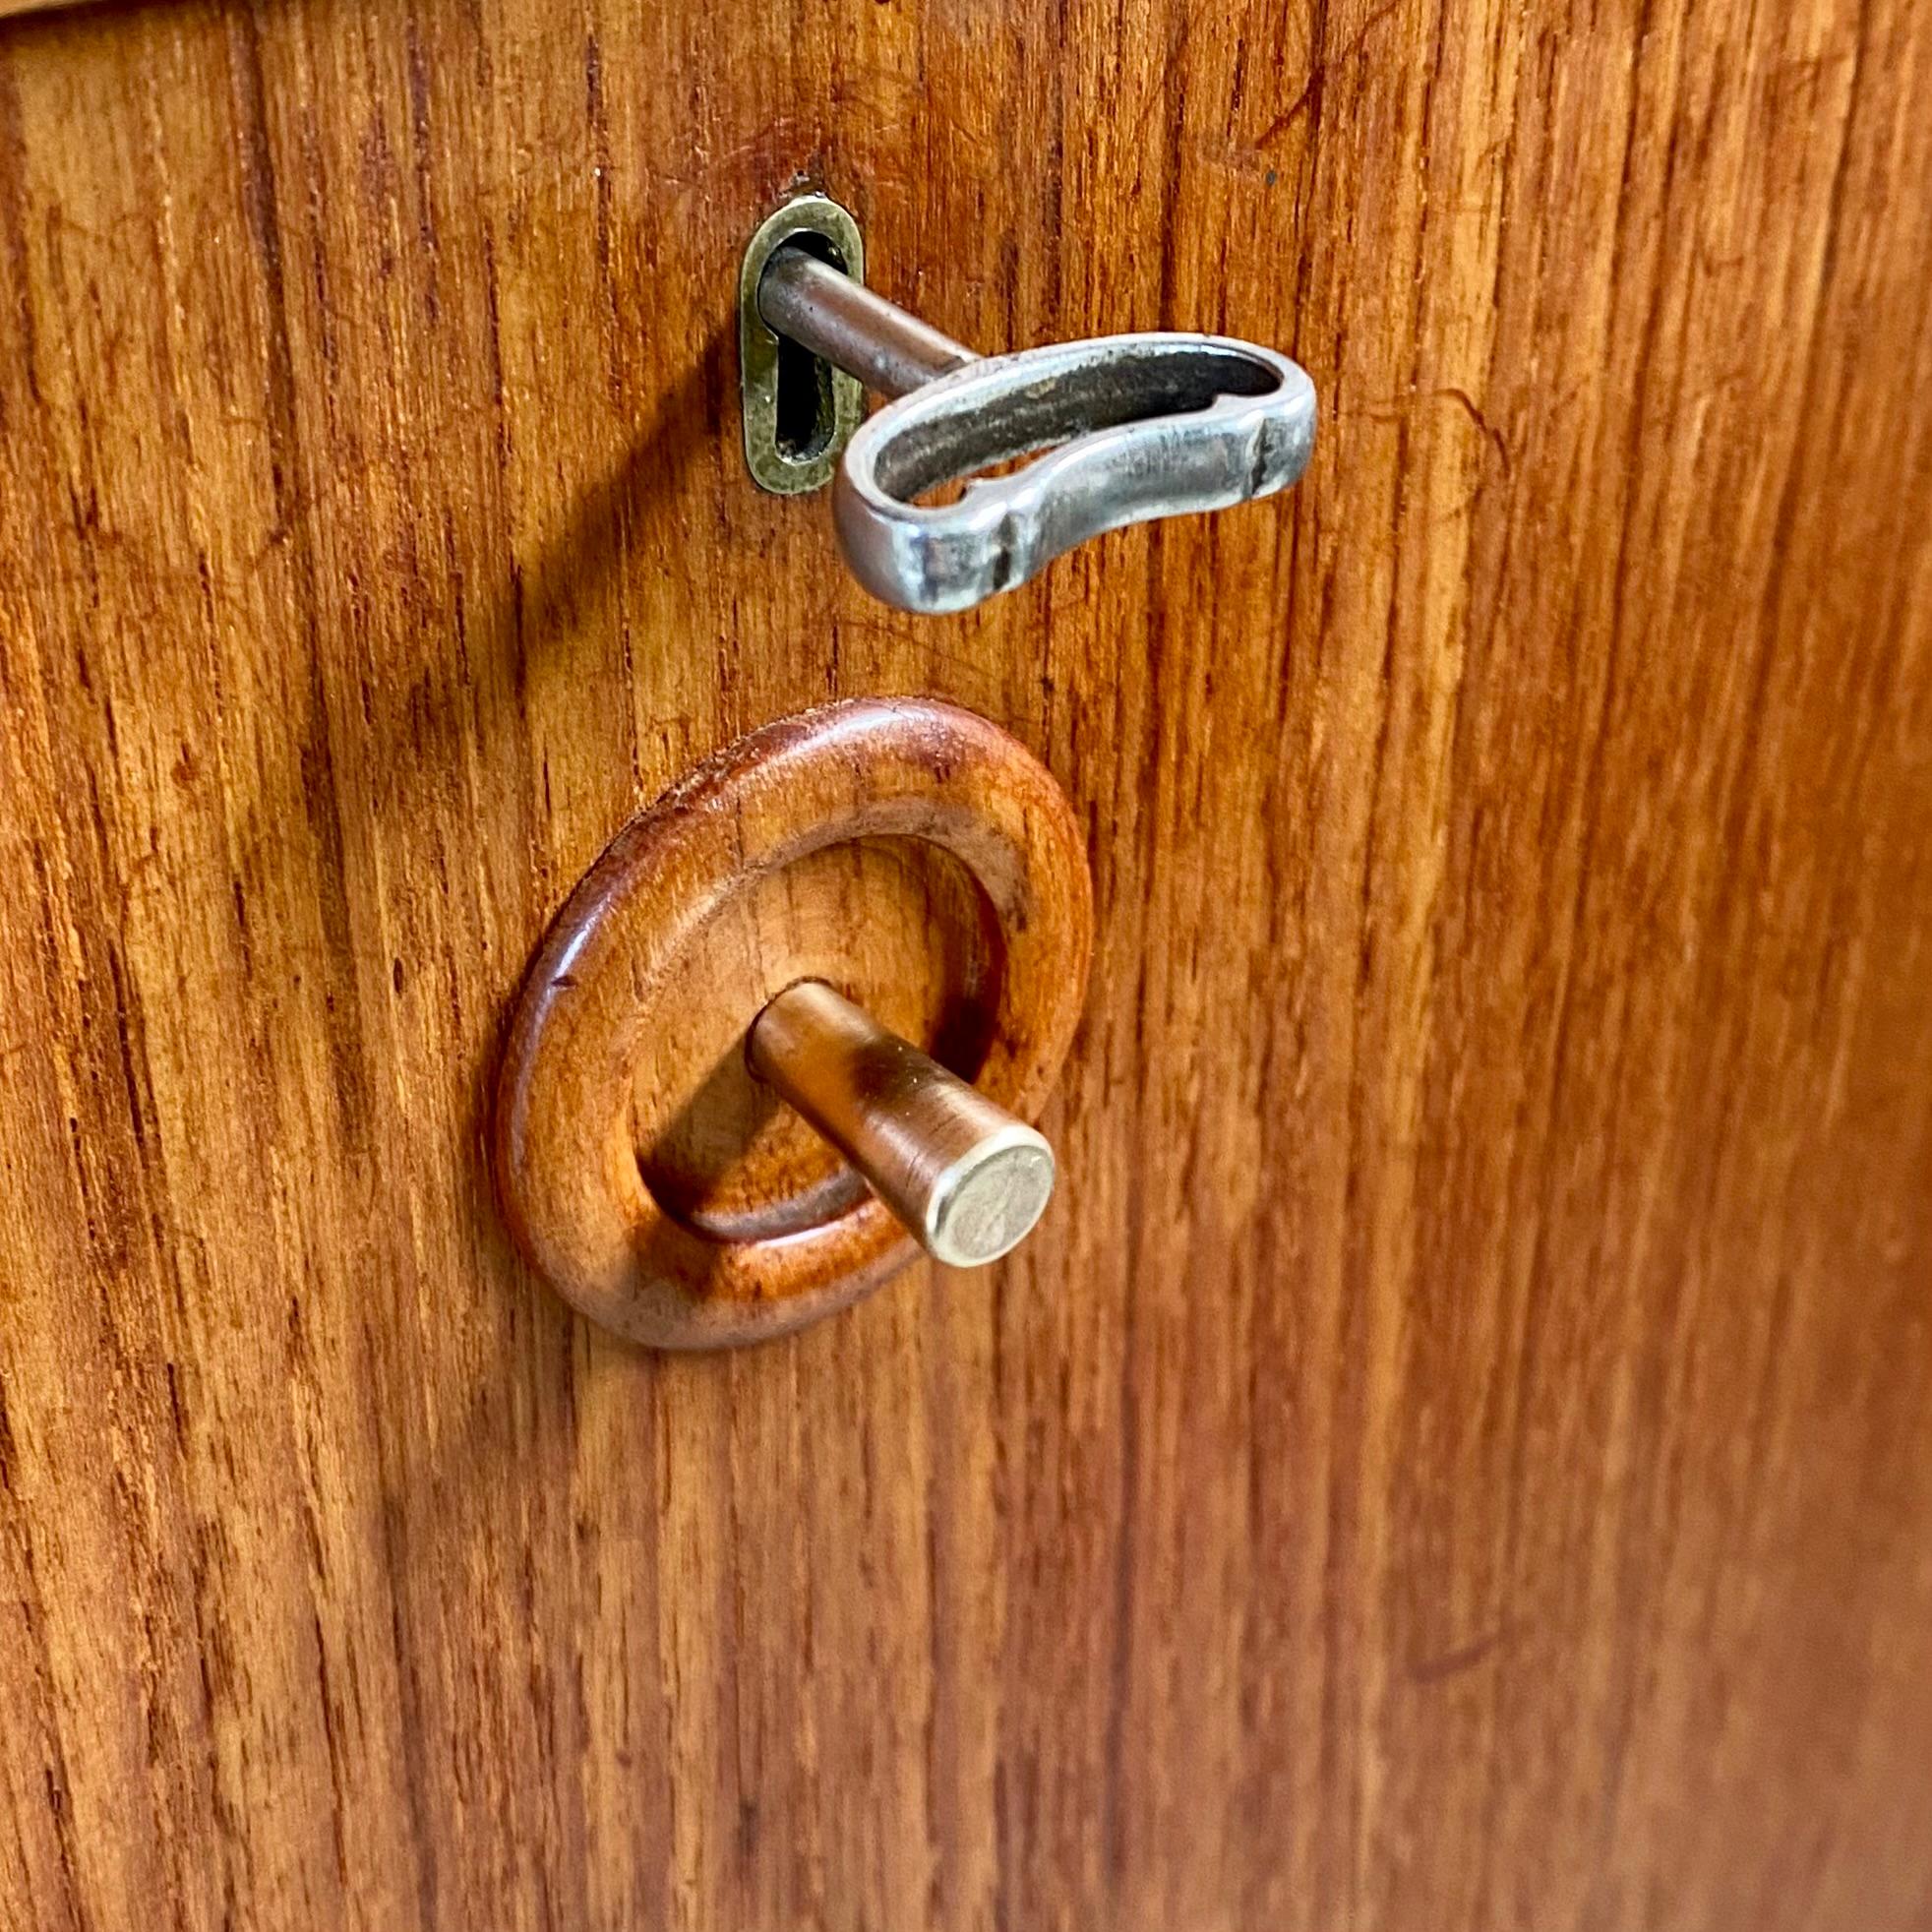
<point x="804" y="420"/>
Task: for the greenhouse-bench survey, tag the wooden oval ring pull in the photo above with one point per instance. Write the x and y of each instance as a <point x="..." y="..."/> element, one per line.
<point x="668" y="953"/>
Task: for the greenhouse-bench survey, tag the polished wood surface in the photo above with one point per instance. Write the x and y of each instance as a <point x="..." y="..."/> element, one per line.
<point x="757" y="869"/>
<point x="1456" y="1453"/>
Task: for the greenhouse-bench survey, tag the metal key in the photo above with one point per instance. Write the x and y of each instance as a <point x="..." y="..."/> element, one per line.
<point x="1133" y="427"/>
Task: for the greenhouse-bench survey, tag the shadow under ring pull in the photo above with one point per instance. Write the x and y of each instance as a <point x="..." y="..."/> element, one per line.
<point x="1134" y="427"/>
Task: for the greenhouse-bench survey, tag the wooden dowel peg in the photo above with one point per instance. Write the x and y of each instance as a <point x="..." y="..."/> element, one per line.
<point x="966" y="1178"/>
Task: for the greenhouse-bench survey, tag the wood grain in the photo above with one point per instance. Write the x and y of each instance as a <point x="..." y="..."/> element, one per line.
<point x="632" y="1022"/>
<point x="1456" y="1454"/>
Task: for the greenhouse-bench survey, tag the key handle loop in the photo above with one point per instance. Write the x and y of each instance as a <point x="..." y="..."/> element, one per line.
<point x="1134" y="427"/>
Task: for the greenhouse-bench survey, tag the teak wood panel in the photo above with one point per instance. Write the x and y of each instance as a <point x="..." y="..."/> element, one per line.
<point x="1456" y="1456"/>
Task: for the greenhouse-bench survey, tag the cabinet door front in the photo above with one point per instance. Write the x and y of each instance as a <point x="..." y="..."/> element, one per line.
<point x="1452" y="1454"/>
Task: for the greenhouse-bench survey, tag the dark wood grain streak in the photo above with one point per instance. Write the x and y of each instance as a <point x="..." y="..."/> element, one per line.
<point x="1456" y="1456"/>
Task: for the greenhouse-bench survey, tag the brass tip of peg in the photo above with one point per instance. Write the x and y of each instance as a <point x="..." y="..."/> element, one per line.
<point x="965" y="1178"/>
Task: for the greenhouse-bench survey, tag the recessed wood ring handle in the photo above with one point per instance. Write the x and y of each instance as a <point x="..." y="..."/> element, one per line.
<point x="566" y="1164"/>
